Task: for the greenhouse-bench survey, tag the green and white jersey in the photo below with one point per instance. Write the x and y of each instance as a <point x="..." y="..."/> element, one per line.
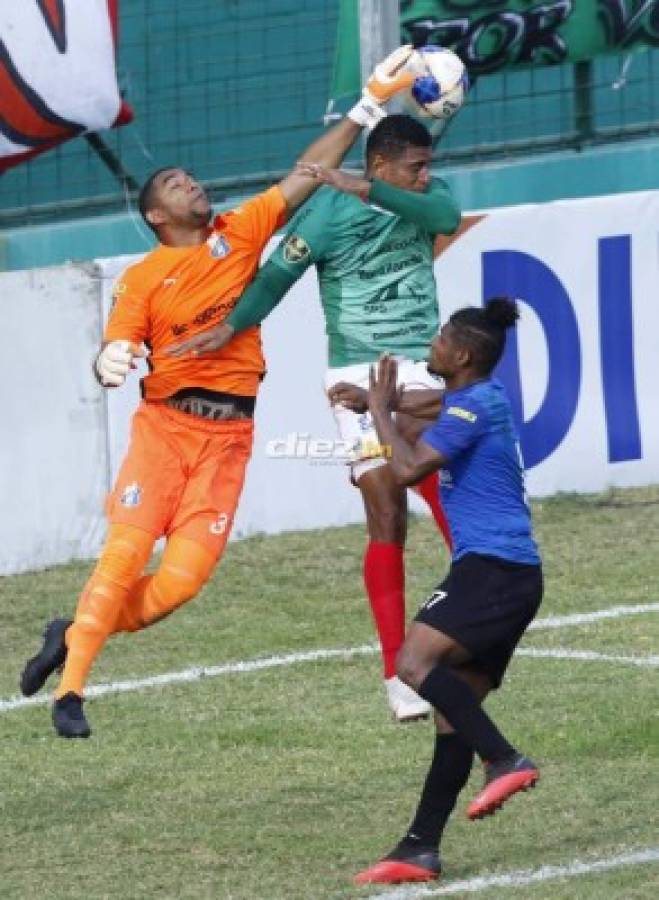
<point x="375" y="271"/>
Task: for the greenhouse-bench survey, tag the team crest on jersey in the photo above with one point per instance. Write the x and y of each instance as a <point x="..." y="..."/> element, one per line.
<point x="219" y="245"/>
<point x="296" y="249"/>
<point x="365" y="421"/>
<point x="132" y="495"/>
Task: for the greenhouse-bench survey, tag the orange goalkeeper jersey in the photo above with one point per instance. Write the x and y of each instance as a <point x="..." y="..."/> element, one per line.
<point x="175" y="292"/>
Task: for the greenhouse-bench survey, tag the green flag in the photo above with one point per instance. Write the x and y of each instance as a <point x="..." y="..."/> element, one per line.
<point x="346" y="75"/>
<point x="491" y="35"/>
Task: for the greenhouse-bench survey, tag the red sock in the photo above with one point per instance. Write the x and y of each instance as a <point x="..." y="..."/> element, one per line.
<point x="384" y="577"/>
<point x="429" y="490"/>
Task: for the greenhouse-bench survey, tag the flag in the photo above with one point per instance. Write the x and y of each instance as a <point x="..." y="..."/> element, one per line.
<point x="57" y="74"/>
<point x="501" y="34"/>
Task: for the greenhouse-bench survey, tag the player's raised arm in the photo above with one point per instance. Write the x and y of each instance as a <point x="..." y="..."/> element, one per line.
<point x="433" y="207"/>
<point x="389" y="78"/>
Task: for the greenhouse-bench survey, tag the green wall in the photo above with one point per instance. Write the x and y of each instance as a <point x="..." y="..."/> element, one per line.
<point x="235" y="89"/>
<point x="609" y="170"/>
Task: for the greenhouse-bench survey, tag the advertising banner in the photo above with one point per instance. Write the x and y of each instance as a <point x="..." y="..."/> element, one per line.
<point x="583" y="367"/>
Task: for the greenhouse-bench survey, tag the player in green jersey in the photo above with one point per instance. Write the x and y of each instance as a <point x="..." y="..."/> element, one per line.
<point x="371" y="239"/>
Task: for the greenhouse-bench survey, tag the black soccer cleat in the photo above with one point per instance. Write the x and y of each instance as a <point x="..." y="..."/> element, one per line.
<point x="502" y="780"/>
<point x="407" y="862"/>
<point x="68" y="717"/>
<point x="50" y="657"/>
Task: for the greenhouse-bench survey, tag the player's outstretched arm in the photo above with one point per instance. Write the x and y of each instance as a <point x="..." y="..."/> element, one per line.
<point x="434" y="209"/>
<point x="421" y="404"/>
<point x="389" y="78"/>
<point x="259" y="299"/>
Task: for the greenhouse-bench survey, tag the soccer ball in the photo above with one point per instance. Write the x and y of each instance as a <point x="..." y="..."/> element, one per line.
<point x="440" y="86"/>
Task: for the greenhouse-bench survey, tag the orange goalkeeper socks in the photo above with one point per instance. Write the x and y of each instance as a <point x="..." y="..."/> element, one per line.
<point x="185" y="567"/>
<point x="126" y="552"/>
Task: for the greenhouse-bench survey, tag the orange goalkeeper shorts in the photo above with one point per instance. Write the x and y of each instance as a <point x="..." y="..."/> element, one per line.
<point x="182" y="474"/>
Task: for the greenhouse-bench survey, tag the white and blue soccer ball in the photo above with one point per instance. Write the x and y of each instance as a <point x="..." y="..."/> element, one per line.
<point x="440" y="86"/>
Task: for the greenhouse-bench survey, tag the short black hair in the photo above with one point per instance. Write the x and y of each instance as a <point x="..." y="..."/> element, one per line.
<point x="394" y="134"/>
<point x="145" y="199"/>
<point x="482" y="330"/>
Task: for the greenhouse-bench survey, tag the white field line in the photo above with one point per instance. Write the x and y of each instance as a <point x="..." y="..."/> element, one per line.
<point x="586" y="656"/>
<point x="611" y="612"/>
<point x="522" y="877"/>
<point x="198" y="672"/>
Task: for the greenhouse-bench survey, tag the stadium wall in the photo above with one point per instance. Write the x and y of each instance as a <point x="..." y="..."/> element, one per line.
<point x="581" y="375"/>
<point x="611" y="169"/>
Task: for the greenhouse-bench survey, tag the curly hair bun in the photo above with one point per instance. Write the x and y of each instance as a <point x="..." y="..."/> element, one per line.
<point x="501" y="312"/>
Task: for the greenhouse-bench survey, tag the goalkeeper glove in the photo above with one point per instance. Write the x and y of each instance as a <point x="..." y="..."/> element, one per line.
<point x="389" y="78"/>
<point x="115" y="361"/>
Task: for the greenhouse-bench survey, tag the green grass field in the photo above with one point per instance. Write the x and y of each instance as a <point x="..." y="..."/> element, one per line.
<point x="282" y="783"/>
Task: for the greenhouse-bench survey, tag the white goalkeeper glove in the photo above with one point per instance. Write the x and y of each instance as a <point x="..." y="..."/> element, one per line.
<point x="115" y="361"/>
<point x="390" y="77"/>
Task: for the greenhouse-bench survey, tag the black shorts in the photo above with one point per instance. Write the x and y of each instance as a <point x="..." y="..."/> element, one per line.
<point x="485" y="604"/>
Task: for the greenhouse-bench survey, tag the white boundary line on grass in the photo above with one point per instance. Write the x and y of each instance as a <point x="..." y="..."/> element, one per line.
<point x="522" y="877"/>
<point x="198" y="672"/>
<point x="586" y="656"/>
<point x="611" y="612"/>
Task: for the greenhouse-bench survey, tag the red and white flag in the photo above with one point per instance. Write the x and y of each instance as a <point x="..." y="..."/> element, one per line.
<point x="57" y="74"/>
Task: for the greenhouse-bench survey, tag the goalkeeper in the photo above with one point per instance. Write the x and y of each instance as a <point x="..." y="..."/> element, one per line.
<point x="371" y="238"/>
<point x="191" y="437"/>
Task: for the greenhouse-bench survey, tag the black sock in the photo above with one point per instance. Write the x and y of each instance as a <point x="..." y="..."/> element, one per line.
<point x="448" y="774"/>
<point x="461" y="708"/>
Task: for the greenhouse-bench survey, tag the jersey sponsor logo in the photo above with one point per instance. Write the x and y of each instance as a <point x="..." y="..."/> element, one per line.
<point x="131" y="495"/>
<point x="461" y="413"/>
<point x="435" y="597"/>
<point x="391" y="268"/>
<point x="220" y="310"/>
<point x="220" y="525"/>
<point x="401" y="244"/>
<point x="219" y="246"/>
<point x="400" y="332"/>
<point x="296" y="249"/>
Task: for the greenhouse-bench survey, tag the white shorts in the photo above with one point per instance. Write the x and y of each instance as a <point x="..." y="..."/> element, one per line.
<point x="356" y="429"/>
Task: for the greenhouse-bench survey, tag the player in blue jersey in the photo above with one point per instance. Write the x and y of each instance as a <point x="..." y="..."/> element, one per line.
<point x="464" y="636"/>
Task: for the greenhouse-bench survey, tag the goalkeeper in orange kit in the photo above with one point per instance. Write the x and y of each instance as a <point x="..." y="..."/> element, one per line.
<point x="192" y="434"/>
